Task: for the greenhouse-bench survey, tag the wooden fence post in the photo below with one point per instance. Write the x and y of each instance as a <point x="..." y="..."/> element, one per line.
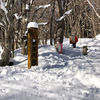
<point x="32" y="46"/>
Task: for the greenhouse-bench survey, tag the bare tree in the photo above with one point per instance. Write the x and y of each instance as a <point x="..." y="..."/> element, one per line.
<point x="7" y="13"/>
<point x="61" y="24"/>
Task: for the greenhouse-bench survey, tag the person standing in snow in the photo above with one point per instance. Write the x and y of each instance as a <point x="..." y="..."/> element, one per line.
<point x="73" y="40"/>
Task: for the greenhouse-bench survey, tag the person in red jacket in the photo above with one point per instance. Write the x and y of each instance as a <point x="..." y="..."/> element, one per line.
<point x="76" y="40"/>
<point x="73" y="40"/>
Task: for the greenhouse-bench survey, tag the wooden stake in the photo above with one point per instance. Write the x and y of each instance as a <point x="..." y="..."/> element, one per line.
<point x="32" y="60"/>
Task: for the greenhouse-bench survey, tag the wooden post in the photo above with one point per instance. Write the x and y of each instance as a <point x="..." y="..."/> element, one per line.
<point x="32" y="47"/>
<point x="85" y="50"/>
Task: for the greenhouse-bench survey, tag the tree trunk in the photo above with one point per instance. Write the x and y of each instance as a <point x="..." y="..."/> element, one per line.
<point x="93" y="23"/>
<point x="6" y="53"/>
<point x="61" y="25"/>
<point x="23" y="27"/>
<point x="52" y="22"/>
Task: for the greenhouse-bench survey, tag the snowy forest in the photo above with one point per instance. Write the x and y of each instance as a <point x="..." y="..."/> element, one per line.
<point x="71" y="74"/>
<point x="57" y="19"/>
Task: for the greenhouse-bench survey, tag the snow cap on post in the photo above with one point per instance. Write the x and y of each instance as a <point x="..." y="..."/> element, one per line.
<point x="27" y="7"/>
<point x="32" y="25"/>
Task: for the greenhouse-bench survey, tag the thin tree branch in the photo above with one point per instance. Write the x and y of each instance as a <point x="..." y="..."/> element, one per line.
<point x="93" y="8"/>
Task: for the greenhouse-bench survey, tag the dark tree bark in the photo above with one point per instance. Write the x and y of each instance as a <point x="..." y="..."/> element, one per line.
<point x="61" y="25"/>
<point x="51" y="26"/>
<point x="7" y="50"/>
<point x="8" y="27"/>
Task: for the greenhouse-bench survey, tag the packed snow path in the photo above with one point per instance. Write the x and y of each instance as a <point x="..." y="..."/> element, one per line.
<point x="67" y="76"/>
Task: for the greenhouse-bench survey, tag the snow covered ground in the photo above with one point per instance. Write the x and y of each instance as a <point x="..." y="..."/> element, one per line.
<point x="67" y="76"/>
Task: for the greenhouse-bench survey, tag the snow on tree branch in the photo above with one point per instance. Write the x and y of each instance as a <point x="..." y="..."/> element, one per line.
<point x="17" y="17"/>
<point x="44" y="6"/>
<point x="93" y="8"/>
<point x="66" y="13"/>
<point x="2" y="6"/>
<point x="43" y="23"/>
<point x="39" y="7"/>
<point x="31" y="1"/>
<point x="4" y="21"/>
<point x="70" y="2"/>
<point x="1" y="24"/>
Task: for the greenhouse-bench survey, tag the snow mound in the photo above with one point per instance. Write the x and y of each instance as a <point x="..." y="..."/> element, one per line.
<point x="98" y="37"/>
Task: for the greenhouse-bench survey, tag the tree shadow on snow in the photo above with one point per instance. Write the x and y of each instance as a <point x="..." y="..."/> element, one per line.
<point x="72" y="52"/>
<point x="53" y="57"/>
<point x="55" y="66"/>
<point x="19" y="62"/>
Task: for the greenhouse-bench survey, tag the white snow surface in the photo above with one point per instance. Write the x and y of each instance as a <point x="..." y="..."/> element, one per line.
<point x="66" y="76"/>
